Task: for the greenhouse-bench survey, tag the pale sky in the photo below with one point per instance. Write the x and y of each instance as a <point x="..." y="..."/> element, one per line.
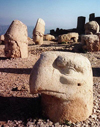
<point x="55" y="13"/>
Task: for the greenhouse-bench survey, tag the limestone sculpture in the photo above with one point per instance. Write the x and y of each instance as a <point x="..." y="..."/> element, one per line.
<point x="38" y="31"/>
<point x="16" y="40"/>
<point x="90" y="42"/>
<point x="49" y="37"/>
<point x="91" y="27"/>
<point x="65" y="82"/>
<point x="70" y="37"/>
<point x="2" y="38"/>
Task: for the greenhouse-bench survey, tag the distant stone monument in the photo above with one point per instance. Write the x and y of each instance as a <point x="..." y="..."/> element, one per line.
<point x="80" y="24"/>
<point x="38" y="31"/>
<point x="16" y="40"/>
<point x="65" y="82"/>
<point x="92" y="17"/>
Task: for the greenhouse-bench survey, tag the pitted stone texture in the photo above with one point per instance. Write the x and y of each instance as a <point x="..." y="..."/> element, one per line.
<point x="2" y="38"/>
<point x="91" y="27"/>
<point x="16" y="40"/>
<point x="49" y="37"/>
<point x="65" y="82"/>
<point x="38" y="31"/>
<point x="90" y="42"/>
<point x="70" y="37"/>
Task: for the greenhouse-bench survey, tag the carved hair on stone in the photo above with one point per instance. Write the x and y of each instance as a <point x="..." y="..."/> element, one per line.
<point x="63" y="79"/>
<point x="16" y="40"/>
<point x="91" y="27"/>
<point x="38" y="31"/>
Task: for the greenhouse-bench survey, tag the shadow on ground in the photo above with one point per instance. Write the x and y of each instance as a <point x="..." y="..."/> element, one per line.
<point x="16" y="70"/>
<point x="15" y="108"/>
<point x="96" y="72"/>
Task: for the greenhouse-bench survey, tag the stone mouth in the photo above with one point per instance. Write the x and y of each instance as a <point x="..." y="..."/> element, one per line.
<point x="56" y="94"/>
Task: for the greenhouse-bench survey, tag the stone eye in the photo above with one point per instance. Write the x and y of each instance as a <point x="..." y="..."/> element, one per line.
<point x="61" y="62"/>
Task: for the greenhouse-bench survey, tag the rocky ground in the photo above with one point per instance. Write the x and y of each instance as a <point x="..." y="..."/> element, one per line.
<point x="18" y="108"/>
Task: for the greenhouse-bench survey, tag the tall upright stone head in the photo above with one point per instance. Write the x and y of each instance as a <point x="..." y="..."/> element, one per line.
<point x="65" y="82"/>
<point x="38" y="31"/>
<point x="91" y="27"/>
<point x="16" y="40"/>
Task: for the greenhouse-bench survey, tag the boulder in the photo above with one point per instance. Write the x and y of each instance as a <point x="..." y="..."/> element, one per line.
<point x="16" y="40"/>
<point x="91" y="27"/>
<point x="70" y="37"/>
<point x="90" y="43"/>
<point x="49" y="37"/>
<point x="65" y="81"/>
<point x="38" y="32"/>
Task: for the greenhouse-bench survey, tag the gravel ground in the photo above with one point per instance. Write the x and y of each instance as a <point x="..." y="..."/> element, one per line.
<point x="18" y="108"/>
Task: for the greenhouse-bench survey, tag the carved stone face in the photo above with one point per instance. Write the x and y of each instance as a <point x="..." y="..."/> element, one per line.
<point x="38" y="37"/>
<point x="38" y="31"/>
<point x="12" y="49"/>
<point x="66" y="79"/>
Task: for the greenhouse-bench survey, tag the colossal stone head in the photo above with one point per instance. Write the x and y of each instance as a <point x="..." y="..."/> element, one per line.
<point x="65" y="82"/>
<point x="91" y="27"/>
<point x="38" y="32"/>
<point x="16" y="40"/>
<point x="90" y="42"/>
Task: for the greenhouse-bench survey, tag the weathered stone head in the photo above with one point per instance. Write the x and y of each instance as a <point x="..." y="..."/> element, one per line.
<point x="38" y="32"/>
<point x="91" y="27"/>
<point x="65" y="82"/>
<point x="90" y="42"/>
<point x="16" y="40"/>
<point x="70" y="37"/>
<point x="49" y="37"/>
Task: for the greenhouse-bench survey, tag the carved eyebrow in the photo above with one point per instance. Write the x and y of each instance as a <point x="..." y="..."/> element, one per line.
<point x="62" y="63"/>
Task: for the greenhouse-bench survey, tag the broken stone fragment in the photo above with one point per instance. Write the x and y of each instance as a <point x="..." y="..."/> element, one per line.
<point x="70" y="37"/>
<point x="90" y="42"/>
<point x="65" y="82"/>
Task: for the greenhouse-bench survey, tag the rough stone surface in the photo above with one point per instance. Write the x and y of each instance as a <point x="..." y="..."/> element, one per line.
<point x="70" y="37"/>
<point x="49" y="37"/>
<point x="91" y="27"/>
<point x="38" y="31"/>
<point x="63" y="79"/>
<point x="16" y="40"/>
<point x="15" y="97"/>
<point x="1" y="38"/>
<point x="90" y="42"/>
